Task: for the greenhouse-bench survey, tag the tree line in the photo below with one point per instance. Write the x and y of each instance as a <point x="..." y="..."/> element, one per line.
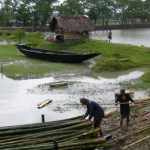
<point x="39" y="12"/>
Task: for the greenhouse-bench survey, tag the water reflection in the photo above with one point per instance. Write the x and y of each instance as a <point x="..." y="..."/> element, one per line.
<point x="19" y="99"/>
<point x="138" y="37"/>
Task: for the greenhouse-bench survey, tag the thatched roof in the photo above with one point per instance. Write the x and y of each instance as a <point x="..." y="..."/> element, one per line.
<point x="71" y="24"/>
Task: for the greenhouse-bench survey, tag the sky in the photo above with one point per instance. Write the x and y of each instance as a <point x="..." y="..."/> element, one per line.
<point x="61" y="1"/>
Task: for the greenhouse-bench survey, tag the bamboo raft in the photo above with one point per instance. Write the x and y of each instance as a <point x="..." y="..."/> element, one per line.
<point x="76" y="134"/>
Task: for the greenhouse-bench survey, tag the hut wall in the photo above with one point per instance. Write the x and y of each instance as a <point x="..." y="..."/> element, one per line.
<point x="73" y="36"/>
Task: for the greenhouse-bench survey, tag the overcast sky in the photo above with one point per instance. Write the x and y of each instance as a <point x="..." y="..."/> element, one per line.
<point x="61" y="1"/>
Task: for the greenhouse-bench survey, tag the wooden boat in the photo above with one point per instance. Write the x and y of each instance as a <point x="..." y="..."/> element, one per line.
<point x="54" y="55"/>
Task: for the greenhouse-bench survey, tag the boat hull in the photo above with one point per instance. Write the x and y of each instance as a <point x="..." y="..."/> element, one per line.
<point x="55" y="56"/>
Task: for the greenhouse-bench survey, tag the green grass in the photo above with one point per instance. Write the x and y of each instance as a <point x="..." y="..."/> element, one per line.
<point x="114" y="57"/>
<point x="144" y="82"/>
<point x="35" y="69"/>
<point x="9" y="53"/>
<point x="15" y="65"/>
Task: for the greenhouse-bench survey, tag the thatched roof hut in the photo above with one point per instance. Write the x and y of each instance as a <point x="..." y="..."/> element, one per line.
<point x="71" y="24"/>
<point x="71" y="27"/>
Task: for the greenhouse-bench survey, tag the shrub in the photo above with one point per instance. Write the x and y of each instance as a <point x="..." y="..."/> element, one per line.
<point x="114" y="64"/>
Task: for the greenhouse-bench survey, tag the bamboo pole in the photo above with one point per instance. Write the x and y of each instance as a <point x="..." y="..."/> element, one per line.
<point x="83" y="124"/>
<point x="118" y="127"/>
<point x="83" y="142"/>
<point x="28" y="142"/>
<point x="44" y="103"/>
<point x="37" y="140"/>
<point x="58" y="84"/>
<point x="39" y="135"/>
<point x="78" y="126"/>
<point x="88" y="134"/>
<point x="136" y="142"/>
<point x="35" y="125"/>
<point x="142" y="100"/>
<point x="40" y="129"/>
<point x="92" y="143"/>
<point x="109" y="113"/>
<point x="147" y="127"/>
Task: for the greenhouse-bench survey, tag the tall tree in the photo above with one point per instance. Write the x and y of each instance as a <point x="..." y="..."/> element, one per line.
<point x="36" y="12"/>
<point x="134" y="11"/>
<point x="23" y="13"/>
<point x="93" y="9"/>
<point x="122" y="8"/>
<point x="6" y="15"/>
<point x="71" y="7"/>
<point x="41" y="11"/>
<point x="146" y="10"/>
<point x="99" y="9"/>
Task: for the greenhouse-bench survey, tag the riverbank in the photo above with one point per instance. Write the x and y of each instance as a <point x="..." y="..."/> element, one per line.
<point x="114" y="57"/>
<point x="137" y="37"/>
<point x="116" y="27"/>
<point x="97" y="27"/>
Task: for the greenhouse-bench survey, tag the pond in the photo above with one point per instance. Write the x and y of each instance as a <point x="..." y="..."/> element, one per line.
<point x="19" y="98"/>
<point x="140" y="37"/>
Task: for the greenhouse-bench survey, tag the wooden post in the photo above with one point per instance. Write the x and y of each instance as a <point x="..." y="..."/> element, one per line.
<point x="1" y="68"/>
<point x="43" y="118"/>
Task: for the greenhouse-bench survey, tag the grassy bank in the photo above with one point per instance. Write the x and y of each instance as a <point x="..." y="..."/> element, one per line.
<point x="144" y="82"/>
<point x="15" y="65"/>
<point x="114" y="57"/>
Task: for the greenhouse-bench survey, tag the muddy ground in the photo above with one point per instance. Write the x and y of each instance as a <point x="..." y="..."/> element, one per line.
<point x="134" y="137"/>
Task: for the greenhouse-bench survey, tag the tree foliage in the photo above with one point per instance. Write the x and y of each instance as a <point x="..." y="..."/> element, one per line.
<point x="39" y="12"/>
<point x="71" y="7"/>
<point x="19" y="35"/>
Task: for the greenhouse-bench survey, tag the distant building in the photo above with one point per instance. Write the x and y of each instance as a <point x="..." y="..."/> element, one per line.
<point x="70" y="27"/>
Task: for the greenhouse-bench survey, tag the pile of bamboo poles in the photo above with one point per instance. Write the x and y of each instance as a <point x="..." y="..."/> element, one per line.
<point x="147" y="139"/>
<point x="64" y="134"/>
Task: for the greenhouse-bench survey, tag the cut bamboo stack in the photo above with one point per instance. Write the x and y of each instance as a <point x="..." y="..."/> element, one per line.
<point x="64" y="134"/>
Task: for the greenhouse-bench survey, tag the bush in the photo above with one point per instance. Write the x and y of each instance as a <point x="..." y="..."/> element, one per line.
<point x="113" y="65"/>
<point x="35" y="38"/>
